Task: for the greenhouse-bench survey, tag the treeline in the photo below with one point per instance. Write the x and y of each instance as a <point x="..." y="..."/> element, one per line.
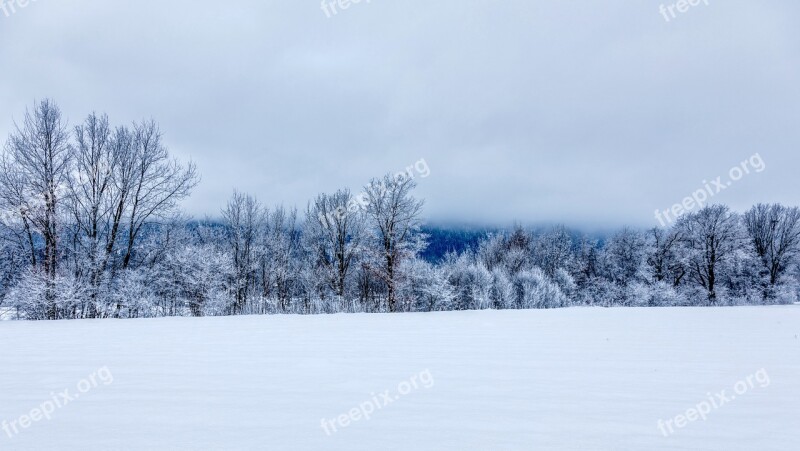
<point x="92" y="229"/>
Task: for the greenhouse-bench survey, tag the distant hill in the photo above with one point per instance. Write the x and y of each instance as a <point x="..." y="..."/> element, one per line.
<point x="442" y="239"/>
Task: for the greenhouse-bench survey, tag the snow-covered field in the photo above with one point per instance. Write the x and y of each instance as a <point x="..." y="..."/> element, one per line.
<point x="571" y="379"/>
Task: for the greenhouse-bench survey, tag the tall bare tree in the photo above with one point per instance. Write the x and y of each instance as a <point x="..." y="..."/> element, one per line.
<point x="124" y="170"/>
<point x="158" y="182"/>
<point x="40" y="154"/>
<point x="625" y="257"/>
<point x="774" y="231"/>
<point x="663" y="256"/>
<point x="395" y="216"/>
<point x="553" y="250"/>
<point x="245" y="220"/>
<point x="281" y="258"/>
<point x="711" y="236"/>
<point x="91" y="183"/>
<point x="15" y="203"/>
<point x="335" y="232"/>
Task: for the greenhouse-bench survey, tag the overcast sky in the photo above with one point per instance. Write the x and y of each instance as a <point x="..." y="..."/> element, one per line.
<point x="584" y="112"/>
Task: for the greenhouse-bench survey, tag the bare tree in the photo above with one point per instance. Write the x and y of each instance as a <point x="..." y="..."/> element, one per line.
<point x="15" y="203"/>
<point x="123" y="172"/>
<point x="158" y="182"/>
<point x="395" y="215"/>
<point x="663" y="256"/>
<point x="774" y="231"/>
<point x="711" y="236"/>
<point x="282" y="257"/>
<point x="335" y="235"/>
<point x="245" y="220"/>
<point x="553" y="250"/>
<point x="90" y="185"/>
<point x="625" y="257"/>
<point x="40" y="154"/>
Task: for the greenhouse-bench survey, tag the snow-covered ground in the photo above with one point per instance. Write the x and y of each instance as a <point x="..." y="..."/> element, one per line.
<point x="571" y="379"/>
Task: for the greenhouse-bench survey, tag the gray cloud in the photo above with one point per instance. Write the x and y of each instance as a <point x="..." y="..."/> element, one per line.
<point x="584" y="112"/>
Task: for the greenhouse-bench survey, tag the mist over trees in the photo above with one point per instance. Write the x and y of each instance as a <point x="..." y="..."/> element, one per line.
<point x="91" y="228"/>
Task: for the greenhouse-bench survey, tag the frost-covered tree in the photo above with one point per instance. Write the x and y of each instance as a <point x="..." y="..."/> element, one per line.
<point x="245" y="224"/>
<point x="663" y="256"/>
<point x="158" y="182"/>
<point x="536" y="290"/>
<point x="586" y="271"/>
<point x="491" y="251"/>
<point x="37" y="162"/>
<point x="710" y="237"/>
<point x="394" y="215"/>
<point x="35" y="166"/>
<point x="194" y="275"/>
<point x="283" y="260"/>
<point x="16" y="218"/>
<point x="625" y="255"/>
<point x="553" y="250"/>
<point x="502" y="293"/>
<point x="38" y="296"/>
<point x="512" y="252"/>
<point x="469" y="281"/>
<point x="774" y="233"/>
<point x="336" y="235"/>
<point x="425" y="288"/>
<point x="89" y="201"/>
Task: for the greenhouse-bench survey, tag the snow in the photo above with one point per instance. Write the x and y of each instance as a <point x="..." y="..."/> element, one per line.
<point x="567" y="379"/>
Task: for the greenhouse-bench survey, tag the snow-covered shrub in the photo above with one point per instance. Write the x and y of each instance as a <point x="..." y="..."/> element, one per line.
<point x="597" y="291"/>
<point x="638" y="294"/>
<point x="695" y="295"/>
<point x="502" y="294"/>
<point x="425" y="287"/>
<point x="663" y="294"/>
<point x="786" y="293"/>
<point x="132" y="296"/>
<point x="566" y="283"/>
<point x="36" y="297"/>
<point x="536" y="290"/>
<point x="469" y="283"/>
